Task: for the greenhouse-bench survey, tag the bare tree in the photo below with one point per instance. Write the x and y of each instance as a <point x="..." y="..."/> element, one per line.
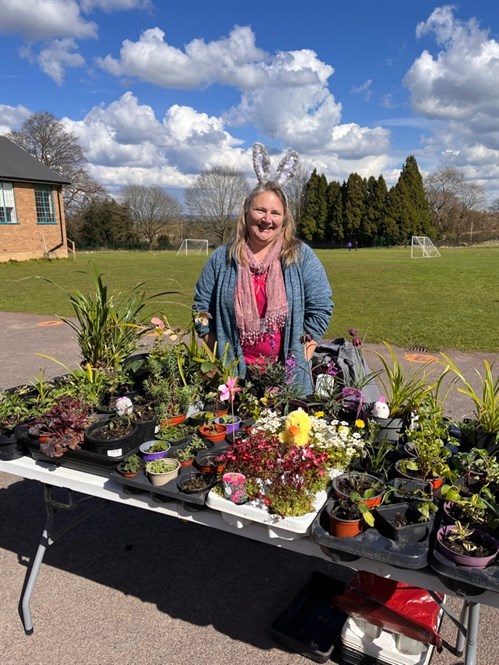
<point x="44" y="137"/>
<point x="153" y="210"/>
<point x="295" y="192"/>
<point x="216" y="197"/>
<point x="453" y="202"/>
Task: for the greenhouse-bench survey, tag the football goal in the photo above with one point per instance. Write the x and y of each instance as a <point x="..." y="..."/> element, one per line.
<point x="193" y="246"/>
<point x="423" y="248"/>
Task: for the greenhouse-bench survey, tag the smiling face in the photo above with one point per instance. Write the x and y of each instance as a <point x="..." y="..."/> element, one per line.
<point x="264" y="220"/>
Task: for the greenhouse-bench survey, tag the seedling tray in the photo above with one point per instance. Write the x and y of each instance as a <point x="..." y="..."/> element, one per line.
<point x="310" y="625"/>
<point x="169" y="491"/>
<point x="369" y="544"/>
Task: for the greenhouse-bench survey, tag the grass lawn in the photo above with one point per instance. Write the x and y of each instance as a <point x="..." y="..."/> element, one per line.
<point x="451" y="302"/>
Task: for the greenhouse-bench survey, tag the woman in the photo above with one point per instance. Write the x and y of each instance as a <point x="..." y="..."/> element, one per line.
<point x="266" y="292"/>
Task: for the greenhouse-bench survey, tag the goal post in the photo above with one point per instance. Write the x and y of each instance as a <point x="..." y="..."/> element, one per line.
<point x="423" y="248"/>
<point x="193" y="246"/>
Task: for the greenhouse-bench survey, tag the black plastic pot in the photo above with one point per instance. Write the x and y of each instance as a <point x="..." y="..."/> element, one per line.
<point x="10" y="445"/>
<point x="385" y="515"/>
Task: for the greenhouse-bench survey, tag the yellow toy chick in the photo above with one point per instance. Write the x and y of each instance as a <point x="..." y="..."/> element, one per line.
<point x="297" y="428"/>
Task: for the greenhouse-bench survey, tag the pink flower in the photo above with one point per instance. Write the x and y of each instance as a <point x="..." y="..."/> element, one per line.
<point x="229" y="389"/>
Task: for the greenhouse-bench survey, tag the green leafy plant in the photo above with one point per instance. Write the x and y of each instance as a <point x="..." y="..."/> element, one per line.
<point x="404" y="390"/>
<point x="462" y="534"/>
<point x="163" y="465"/>
<point x="109" y="325"/>
<point x="132" y="464"/>
<point x="485" y="399"/>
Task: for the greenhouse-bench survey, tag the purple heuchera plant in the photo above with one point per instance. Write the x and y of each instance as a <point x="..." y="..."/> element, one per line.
<point x="64" y="425"/>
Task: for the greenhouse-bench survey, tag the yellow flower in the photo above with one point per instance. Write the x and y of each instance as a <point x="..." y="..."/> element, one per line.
<point x="360" y="424"/>
<point x="319" y="414"/>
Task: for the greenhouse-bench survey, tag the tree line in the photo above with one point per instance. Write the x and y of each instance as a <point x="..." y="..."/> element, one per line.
<point x="361" y="211"/>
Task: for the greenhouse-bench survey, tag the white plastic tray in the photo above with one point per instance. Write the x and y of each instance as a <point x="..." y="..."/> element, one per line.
<point x="288" y="528"/>
<point x="383" y="645"/>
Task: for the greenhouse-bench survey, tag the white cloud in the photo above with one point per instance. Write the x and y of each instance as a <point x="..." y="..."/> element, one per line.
<point x="230" y="61"/>
<point x="37" y="20"/>
<point x="12" y="117"/>
<point x="110" y="6"/>
<point x="55" y="57"/>
<point x="364" y="88"/>
<point x="461" y="82"/>
<point x="458" y="90"/>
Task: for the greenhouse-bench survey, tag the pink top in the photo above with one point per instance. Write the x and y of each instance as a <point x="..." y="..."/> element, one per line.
<point x="270" y="345"/>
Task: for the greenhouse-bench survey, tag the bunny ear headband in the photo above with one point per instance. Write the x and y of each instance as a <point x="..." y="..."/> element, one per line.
<point x="261" y="163"/>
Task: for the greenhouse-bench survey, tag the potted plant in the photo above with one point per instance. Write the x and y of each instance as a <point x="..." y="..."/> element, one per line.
<point x="131" y="466"/>
<point x="187" y="453"/>
<point x="349" y="514"/>
<point x="213" y="432"/>
<point x="161" y="471"/>
<point x="211" y="460"/>
<point x="154" y="449"/>
<point x="175" y="435"/>
<point x="370" y="488"/>
<point x="194" y="482"/>
<point x="485" y="401"/>
<point x="404" y="391"/>
<point x="202" y="417"/>
<point x="405" y="522"/>
<point x="231" y="422"/>
<point x="467" y="546"/>
<point x="62" y="427"/>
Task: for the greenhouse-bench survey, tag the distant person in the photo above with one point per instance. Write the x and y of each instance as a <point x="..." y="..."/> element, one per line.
<point x="267" y="293"/>
<point x="349" y="245"/>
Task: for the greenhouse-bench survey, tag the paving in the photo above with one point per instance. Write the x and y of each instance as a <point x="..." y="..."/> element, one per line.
<point x="183" y="594"/>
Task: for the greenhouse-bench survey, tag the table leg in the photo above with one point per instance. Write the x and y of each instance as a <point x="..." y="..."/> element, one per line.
<point x="47" y="539"/>
<point x="472" y="636"/>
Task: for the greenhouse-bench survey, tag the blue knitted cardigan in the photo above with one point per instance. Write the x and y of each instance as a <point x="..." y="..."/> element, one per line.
<point x="310" y="307"/>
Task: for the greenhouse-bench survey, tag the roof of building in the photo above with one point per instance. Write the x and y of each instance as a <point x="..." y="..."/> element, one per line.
<point x="18" y="165"/>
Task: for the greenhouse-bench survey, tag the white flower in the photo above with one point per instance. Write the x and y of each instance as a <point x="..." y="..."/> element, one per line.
<point x="124" y="406"/>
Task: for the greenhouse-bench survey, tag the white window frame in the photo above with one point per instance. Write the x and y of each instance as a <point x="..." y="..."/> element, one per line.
<point x="7" y="203"/>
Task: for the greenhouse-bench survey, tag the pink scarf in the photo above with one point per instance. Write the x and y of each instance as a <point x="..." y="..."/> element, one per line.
<point x="251" y="328"/>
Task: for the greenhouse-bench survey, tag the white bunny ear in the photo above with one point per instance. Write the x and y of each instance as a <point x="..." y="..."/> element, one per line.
<point x="286" y="168"/>
<point x="261" y="163"/>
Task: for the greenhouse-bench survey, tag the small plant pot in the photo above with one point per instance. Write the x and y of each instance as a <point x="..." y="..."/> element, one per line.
<point x="162" y="477"/>
<point x="385" y="519"/>
<point x="207" y="461"/>
<point x="213" y="432"/>
<point x="194" y="482"/>
<point x="149" y="456"/>
<point x="232" y="423"/>
<point x="340" y="481"/>
<point x="110" y="446"/>
<point x="412" y="489"/>
<point x="343" y="528"/>
<point x="436" y="483"/>
<point x="468" y="560"/>
<point x="202" y="418"/>
<point x="171" y="421"/>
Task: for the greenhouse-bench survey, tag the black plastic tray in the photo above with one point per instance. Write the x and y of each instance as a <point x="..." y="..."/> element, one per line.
<point x="80" y="460"/>
<point x="167" y="492"/>
<point x="461" y="579"/>
<point x="369" y="544"/>
<point x="310" y="625"/>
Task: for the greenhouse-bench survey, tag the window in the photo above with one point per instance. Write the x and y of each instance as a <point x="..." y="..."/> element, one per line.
<point x="44" y="205"/>
<point x="7" y="204"/>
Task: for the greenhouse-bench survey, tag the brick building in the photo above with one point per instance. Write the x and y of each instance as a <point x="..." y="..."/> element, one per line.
<point x="32" y="222"/>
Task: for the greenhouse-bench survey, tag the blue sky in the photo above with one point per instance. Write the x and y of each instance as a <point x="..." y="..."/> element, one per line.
<point x="158" y="90"/>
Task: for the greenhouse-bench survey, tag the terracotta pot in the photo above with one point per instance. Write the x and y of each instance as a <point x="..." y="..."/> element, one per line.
<point x="436" y="483"/>
<point x="341" y="528"/>
<point x="173" y="420"/>
<point x="370" y="503"/>
<point x="213" y="432"/>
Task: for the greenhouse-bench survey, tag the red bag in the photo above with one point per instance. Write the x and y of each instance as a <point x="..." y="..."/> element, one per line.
<point x="395" y="606"/>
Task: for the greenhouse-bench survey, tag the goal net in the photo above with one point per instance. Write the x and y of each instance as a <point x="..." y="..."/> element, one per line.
<point x="193" y="246"/>
<point x="422" y="247"/>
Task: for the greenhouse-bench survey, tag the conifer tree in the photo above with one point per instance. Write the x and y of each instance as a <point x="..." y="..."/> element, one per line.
<point x="355" y="197"/>
<point x="334" y="223"/>
<point x="314" y="216"/>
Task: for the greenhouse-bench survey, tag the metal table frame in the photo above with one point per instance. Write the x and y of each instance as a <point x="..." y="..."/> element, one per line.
<point x="91" y="485"/>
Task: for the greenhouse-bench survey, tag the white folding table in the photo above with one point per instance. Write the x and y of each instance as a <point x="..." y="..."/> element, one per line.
<point x="92" y="485"/>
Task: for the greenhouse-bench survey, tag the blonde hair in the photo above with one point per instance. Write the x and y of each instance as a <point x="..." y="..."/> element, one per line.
<point x="290" y="243"/>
